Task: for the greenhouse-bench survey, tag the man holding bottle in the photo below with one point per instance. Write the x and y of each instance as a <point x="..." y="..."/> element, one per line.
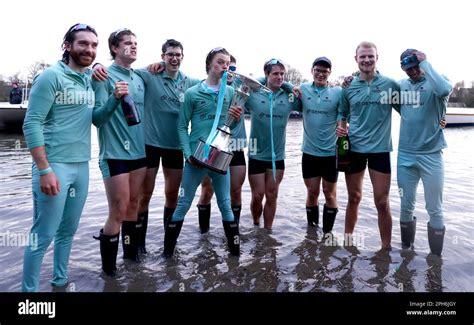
<point x="122" y="158"/>
<point x="370" y="135"/>
<point x="165" y="85"/>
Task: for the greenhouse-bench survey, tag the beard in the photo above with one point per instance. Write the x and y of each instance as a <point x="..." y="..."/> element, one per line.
<point x="83" y="59"/>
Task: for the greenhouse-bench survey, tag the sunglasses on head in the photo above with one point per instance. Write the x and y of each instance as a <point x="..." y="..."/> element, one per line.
<point x="409" y="60"/>
<point x="81" y="27"/>
<point x="78" y="27"/>
<point x="118" y="31"/>
<point x="273" y="62"/>
<point x="217" y="49"/>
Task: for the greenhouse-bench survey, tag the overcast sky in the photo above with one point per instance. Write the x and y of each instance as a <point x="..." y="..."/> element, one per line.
<point x="294" y="31"/>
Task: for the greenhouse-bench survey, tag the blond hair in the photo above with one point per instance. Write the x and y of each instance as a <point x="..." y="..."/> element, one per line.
<point x="366" y="44"/>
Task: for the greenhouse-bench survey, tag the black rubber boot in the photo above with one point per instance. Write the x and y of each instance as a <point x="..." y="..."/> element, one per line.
<point x="142" y="225"/>
<point x="236" y="210"/>
<point x="173" y="228"/>
<point x="231" y="229"/>
<point x="329" y="216"/>
<point x="108" y="252"/>
<point x="167" y="214"/>
<point x="312" y="215"/>
<point x="130" y="240"/>
<point x="436" y="239"/>
<point x="204" y="217"/>
<point x="407" y="231"/>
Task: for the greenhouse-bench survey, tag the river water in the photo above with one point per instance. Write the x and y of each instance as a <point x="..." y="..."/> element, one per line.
<point x="290" y="258"/>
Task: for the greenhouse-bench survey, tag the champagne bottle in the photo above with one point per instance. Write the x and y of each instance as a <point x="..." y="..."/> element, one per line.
<point x="343" y="151"/>
<point x="130" y="110"/>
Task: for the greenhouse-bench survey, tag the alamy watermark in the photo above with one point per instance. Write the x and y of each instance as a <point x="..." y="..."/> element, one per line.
<point x="28" y="307"/>
<point x="402" y="97"/>
<point x="240" y="144"/>
<point x="19" y="239"/>
<point x="75" y="97"/>
<point x="339" y="239"/>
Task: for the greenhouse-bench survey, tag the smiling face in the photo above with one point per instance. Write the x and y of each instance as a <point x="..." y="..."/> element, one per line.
<point x="83" y="49"/>
<point x="172" y="57"/>
<point x="366" y="58"/>
<point x="275" y="77"/>
<point x="320" y="75"/>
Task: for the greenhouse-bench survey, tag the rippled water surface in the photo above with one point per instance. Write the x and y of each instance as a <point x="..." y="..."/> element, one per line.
<point x="291" y="258"/>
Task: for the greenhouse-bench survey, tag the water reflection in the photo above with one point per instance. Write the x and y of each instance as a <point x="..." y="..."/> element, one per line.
<point x="381" y="262"/>
<point x="114" y="284"/>
<point x="404" y="274"/>
<point x="434" y="281"/>
<point x="308" y="270"/>
<point x="262" y="272"/>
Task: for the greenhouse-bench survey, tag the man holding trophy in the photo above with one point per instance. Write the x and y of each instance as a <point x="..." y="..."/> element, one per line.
<point x="206" y="106"/>
<point x="237" y="167"/>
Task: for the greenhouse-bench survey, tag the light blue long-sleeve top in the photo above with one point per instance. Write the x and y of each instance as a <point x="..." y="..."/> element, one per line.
<point x="59" y="114"/>
<point x="421" y="111"/>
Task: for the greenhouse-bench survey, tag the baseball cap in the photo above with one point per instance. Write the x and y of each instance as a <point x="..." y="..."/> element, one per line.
<point x="408" y="59"/>
<point x="323" y="61"/>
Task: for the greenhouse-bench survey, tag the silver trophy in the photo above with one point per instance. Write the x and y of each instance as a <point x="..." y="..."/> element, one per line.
<point x="220" y="153"/>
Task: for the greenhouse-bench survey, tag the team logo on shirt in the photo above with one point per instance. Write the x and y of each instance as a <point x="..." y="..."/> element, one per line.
<point x="317" y="111"/>
<point x="167" y="98"/>
<point x="267" y="115"/>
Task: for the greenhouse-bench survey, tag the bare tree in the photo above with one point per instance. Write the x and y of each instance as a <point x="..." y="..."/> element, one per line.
<point x="293" y="76"/>
<point x="15" y="78"/>
<point x="35" y="68"/>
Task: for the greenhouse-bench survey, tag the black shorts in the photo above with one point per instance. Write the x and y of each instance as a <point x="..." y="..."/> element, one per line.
<point x="260" y="166"/>
<point x="113" y="167"/>
<point x="314" y="166"/>
<point x="377" y="161"/>
<point x="171" y="158"/>
<point x="238" y="159"/>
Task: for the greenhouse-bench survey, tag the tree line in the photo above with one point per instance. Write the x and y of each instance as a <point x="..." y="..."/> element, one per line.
<point x="462" y="95"/>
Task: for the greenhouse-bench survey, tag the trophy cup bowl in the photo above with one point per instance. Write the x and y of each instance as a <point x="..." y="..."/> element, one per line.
<point x="220" y="153"/>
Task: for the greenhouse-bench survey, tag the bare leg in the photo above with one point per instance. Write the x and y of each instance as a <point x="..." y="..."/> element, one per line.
<point x="354" y="191"/>
<point x="237" y="178"/>
<point x="147" y="189"/>
<point x="136" y="179"/>
<point x="118" y="194"/>
<point x="312" y="189"/>
<point x="257" y="186"/>
<point x="330" y="194"/>
<point x="173" y="178"/>
<point x="381" y="186"/>
<point x="271" y="195"/>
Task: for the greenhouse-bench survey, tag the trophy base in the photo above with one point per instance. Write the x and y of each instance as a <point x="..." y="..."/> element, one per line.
<point x="218" y="161"/>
